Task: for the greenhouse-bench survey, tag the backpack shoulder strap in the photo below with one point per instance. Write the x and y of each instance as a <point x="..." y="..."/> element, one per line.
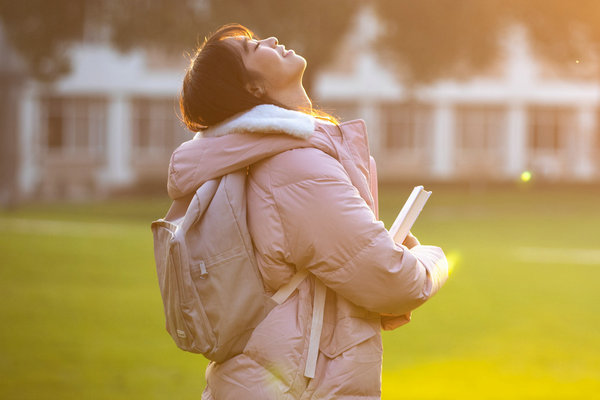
<point x="286" y="290"/>
<point x="179" y="207"/>
<point x="317" y="315"/>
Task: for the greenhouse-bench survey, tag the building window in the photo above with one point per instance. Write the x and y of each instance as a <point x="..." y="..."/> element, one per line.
<point x="156" y="128"/>
<point x="54" y="124"/>
<point x="407" y="126"/>
<point x="480" y="129"/>
<point x="550" y="147"/>
<point x="549" y="128"/>
<point x="73" y="124"/>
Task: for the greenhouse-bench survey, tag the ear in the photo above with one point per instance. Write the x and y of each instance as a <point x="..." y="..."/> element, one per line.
<point x="256" y="89"/>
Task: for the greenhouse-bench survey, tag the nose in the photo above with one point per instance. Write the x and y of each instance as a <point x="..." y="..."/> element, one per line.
<point x="271" y="41"/>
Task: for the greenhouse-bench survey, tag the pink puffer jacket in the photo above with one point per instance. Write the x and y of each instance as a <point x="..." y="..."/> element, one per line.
<point x="310" y="205"/>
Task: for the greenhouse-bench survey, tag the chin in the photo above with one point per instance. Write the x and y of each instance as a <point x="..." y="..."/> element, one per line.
<point x="301" y="62"/>
<point x="302" y="59"/>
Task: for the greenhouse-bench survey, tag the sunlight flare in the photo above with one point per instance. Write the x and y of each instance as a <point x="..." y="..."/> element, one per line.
<point x="526" y="176"/>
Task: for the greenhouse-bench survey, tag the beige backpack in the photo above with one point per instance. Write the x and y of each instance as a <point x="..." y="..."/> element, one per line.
<point x="212" y="290"/>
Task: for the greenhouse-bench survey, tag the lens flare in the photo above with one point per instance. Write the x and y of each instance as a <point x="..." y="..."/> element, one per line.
<point x="525" y="176"/>
<point x="453" y="258"/>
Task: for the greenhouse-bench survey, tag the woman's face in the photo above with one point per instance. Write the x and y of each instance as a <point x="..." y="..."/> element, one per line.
<point x="278" y="68"/>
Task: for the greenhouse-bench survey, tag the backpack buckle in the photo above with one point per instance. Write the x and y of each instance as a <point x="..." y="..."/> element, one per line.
<point x="203" y="272"/>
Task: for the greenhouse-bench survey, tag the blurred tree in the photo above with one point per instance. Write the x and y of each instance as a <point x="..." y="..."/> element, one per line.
<point x="42" y="30"/>
<point x="429" y="39"/>
<point x="562" y="31"/>
<point x="12" y="78"/>
<point x="172" y="26"/>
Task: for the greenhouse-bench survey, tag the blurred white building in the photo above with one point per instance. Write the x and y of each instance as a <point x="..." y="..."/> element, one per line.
<point x="516" y="118"/>
<point x="112" y="122"/>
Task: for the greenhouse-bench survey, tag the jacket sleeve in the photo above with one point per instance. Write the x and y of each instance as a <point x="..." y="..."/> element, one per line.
<point x="330" y="230"/>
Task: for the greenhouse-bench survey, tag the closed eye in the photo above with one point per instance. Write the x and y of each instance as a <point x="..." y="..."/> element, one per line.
<point x="257" y="44"/>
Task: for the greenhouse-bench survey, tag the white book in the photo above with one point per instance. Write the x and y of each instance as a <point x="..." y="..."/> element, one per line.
<point x="409" y="213"/>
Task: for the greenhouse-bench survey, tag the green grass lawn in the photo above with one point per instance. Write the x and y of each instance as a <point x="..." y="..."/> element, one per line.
<point x="518" y="319"/>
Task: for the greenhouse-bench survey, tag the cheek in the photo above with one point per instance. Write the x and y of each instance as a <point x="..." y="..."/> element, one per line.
<point x="279" y="71"/>
<point x="265" y="65"/>
<point x="267" y="58"/>
<point x="276" y="71"/>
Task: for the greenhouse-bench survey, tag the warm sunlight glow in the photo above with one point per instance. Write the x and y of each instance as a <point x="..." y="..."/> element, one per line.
<point x="453" y="258"/>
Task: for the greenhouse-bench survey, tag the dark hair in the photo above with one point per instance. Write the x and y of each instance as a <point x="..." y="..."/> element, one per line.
<point x="215" y="84"/>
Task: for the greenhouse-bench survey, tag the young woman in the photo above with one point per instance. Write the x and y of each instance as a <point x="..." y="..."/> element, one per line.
<point x="311" y="204"/>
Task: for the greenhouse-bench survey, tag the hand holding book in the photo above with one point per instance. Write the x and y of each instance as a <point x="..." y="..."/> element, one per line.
<point x="410" y="241"/>
<point x="400" y="231"/>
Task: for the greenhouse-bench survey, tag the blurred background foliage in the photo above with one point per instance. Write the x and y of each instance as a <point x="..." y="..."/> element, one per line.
<point x="428" y="38"/>
<point x="442" y="38"/>
<point x="40" y="30"/>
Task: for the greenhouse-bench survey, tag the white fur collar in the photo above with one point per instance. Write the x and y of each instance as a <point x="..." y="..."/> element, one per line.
<point x="264" y="118"/>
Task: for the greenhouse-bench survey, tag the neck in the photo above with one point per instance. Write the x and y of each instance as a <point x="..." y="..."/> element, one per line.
<point x="294" y="98"/>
